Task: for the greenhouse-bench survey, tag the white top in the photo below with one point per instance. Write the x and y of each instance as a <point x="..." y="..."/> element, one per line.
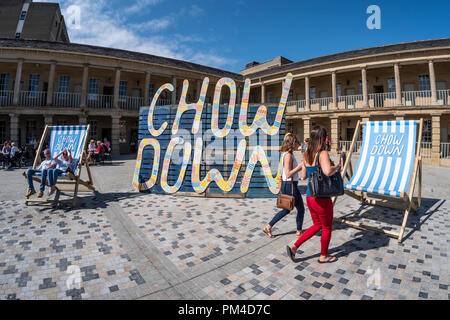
<point x="45" y="164"/>
<point x="294" y="164"/>
<point x="14" y="150"/>
<point x="63" y="165"/>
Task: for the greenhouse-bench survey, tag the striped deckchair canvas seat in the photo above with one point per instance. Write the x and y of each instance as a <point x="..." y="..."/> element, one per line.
<point x="387" y="156"/>
<point x="68" y="137"/>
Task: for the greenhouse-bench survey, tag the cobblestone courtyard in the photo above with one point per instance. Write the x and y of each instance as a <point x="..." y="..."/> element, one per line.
<point x="127" y="245"/>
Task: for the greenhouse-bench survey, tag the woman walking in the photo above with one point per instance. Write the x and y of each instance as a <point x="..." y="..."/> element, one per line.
<point x="289" y="184"/>
<point x="321" y="209"/>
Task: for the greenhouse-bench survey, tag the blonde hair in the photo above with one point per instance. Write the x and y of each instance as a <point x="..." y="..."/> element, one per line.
<point x="289" y="142"/>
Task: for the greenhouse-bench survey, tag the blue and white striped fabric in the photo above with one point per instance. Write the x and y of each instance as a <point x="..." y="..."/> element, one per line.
<point x="386" y="158"/>
<point x="68" y="137"/>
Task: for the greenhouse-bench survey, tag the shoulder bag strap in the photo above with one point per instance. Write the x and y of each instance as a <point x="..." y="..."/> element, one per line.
<point x="317" y="159"/>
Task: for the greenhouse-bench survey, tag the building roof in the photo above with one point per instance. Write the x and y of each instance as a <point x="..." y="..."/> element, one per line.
<point x="137" y="56"/>
<point x="114" y="53"/>
<point x="391" y="48"/>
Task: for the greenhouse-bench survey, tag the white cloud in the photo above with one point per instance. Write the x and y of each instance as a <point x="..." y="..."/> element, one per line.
<point x="101" y="25"/>
<point x="195" y="11"/>
<point x="140" y="4"/>
<point x="153" y="25"/>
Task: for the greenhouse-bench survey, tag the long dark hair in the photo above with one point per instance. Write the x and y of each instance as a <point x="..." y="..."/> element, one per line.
<point x="316" y="143"/>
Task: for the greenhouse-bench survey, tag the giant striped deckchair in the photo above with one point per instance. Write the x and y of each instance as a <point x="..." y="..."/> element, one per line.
<point x="73" y="138"/>
<point x="387" y="168"/>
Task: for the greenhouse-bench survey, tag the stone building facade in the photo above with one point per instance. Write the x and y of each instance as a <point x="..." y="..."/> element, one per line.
<point x="24" y="19"/>
<point x="44" y="83"/>
<point x="400" y="81"/>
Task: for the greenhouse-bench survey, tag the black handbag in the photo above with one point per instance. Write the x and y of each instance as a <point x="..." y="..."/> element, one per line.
<point x="323" y="186"/>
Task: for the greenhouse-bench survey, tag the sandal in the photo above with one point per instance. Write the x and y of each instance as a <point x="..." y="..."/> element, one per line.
<point x="268" y="232"/>
<point x="329" y="260"/>
<point x="30" y="192"/>
<point x="290" y="253"/>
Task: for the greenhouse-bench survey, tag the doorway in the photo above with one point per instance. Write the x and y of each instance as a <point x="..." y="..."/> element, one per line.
<point x="378" y="99"/>
<point x="108" y="91"/>
<point x="350" y="133"/>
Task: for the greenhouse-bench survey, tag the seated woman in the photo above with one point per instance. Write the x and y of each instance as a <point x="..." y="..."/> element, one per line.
<point x="62" y="166"/>
<point x="6" y="150"/>
<point x="107" y="144"/>
<point x="99" y="152"/>
<point x="48" y="163"/>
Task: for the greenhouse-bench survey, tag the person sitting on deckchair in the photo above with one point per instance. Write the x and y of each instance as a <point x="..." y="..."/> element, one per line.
<point x="48" y="163"/>
<point x="62" y="166"/>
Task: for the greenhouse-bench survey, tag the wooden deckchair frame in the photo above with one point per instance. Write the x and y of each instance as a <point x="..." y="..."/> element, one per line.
<point x="404" y="202"/>
<point x="75" y="184"/>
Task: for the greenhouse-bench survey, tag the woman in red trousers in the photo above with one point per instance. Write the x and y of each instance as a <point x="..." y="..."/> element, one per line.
<point x="321" y="209"/>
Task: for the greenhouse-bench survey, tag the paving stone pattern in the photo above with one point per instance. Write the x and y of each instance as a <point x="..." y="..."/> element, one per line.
<point x="121" y="244"/>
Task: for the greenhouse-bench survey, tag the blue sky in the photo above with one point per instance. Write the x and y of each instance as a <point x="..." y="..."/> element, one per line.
<point x="229" y="34"/>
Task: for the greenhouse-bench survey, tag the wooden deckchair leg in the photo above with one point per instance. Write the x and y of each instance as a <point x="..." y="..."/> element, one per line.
<point x="405" y="219"/>
<point x="75" y="193"/>
<point x="419" y="192"/>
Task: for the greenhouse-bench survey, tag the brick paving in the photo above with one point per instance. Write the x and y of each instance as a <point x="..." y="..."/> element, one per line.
<point x="127" y="245"/>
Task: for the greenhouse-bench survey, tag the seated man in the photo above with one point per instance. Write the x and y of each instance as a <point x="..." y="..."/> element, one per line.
<point x="14" y="154"/>
<point x="91" y="150"/>
<point x="48" y="163"/>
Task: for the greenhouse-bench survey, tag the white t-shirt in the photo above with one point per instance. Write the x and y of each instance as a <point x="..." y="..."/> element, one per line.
<point x="294" y="164"/>
<point x="14" y="150"/>
<point x="63" y="165"/>
<point x="45" y="164"/>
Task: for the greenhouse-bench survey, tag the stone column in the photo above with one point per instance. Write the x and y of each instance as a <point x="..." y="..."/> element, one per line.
<point x="17" y="82"/>
<point x="435" y="139"/>
<point x="334" y="90"/>
<point x="306" y="127"/>
<point x="116" y="88"/>
<point x="51" y="83"/>
<point x="307" y="99"/>
<point x="432" y="83"/>
<point x="14" y="128"/>
<point x="364" y="87"/>
<point x="115" y="134"/>
<point x="398" y="85"/>
<point x="174" y="92"/>
<point x="334" y="135"/>
<point x="146" y="88"/>
<point x="84" y="86"/>
<point x="263" y="93"/>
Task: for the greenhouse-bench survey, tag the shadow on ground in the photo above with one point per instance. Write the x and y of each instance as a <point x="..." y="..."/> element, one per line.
<point x="392" y="219"/>
<point x="93" y="201"/>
